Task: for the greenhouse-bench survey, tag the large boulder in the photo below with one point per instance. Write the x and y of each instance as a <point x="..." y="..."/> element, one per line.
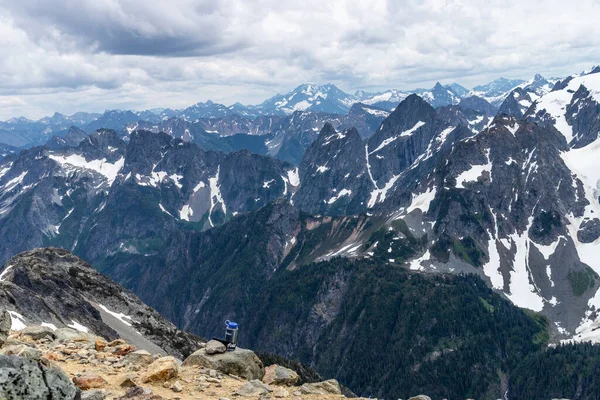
<point x="241" y="362"/>
<point x="278" y="375"/>
<point x="38" y="332"/>
<point x="161" y="370"/>
<point x="326" y="387"/>
<point x="64" y="335"/>
<point x="139" y="358"/>
<point x="26" y="379"/>
<point x="5" y="324"/>
<point x="420" y="397"/>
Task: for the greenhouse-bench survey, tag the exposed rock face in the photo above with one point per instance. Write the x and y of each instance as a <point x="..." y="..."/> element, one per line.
<point x="289" y="140"/>
<point x="478" y="104"/>
<point x="152" y="175"/>
<point x="241" y="362"/>
<point x="26" y="379"/>
<point x="334" y="174"/>
<point x="52" y="286"/>
<point x="72" y="138"/>
<point x="517" y="103"/>
<point x="402" y="137"/>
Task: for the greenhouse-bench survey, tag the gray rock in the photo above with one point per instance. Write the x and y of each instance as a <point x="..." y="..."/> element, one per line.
<point x="177" y="387"/>
<point x="330" y="386"/>
<point x="420" y="397"/>
<point x="22" y="350"/>
<point x="280" y="393"/>
<point x="128" y="381"/>
<point x="26" y="379"/>
<point x="589" y="231"/>
<point x="139" y="393"/>
<point x="71" y="335"/>
<point x="241" y="362"/>
<point x="5" y="324"/>
<point x="140" y="358"/>
<point x="38" y="332"/>
<point x="215" y="347"/>
<point x="278" y="375"/>
<point x="95" y="394"/>
<point x="253" y="388"/>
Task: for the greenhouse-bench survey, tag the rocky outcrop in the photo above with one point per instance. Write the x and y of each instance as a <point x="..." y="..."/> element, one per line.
<point x="241" y="362"/>
<point x="52" y="287"/>
<point x="73" y="369"/>
<point x="478" y="104"/>
<point x="26" y="379"/>
<point x="334" y="174"/>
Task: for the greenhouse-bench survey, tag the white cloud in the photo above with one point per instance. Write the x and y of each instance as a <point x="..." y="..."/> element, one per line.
<point x="68" y="55"/>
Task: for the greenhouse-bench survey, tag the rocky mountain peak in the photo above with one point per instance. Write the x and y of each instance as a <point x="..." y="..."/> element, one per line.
<point x="595" y="70"/>
<point x="409" y="111"/>
<point x="478" y="104"/>
<point x="52" y="287"/>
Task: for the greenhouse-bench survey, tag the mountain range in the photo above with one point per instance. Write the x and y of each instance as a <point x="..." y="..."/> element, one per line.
<point x="206" y="227"/>
<point x="258" y="119"/>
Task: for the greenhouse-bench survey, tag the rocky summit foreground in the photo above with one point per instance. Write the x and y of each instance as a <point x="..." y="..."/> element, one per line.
<point x="39" y="362"/>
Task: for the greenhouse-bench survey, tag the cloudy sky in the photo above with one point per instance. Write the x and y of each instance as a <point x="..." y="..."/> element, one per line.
<point x="92" y="55"/>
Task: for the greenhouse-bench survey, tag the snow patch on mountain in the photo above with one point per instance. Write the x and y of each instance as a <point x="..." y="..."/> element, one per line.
<point x="555" y="103"/>
<point x="13" y="183"/>
<point x="342" y="193"/>
<point x="473" y="174"/>
<point x="522" y="290"/>
<point x="378" y="195"/>
<point x="4" y="170"/>
<point x="78" y="327"/>
<point x="421" y="201"/>
<point x="405" y="133"/>
<point x="215" y="196"/>
<point x="102" y="167"/>
<point x="5" y="272"/>
<point x="126" y="319"/>
<point x="18" y="321"/>
<point x="293" y="177"/>
<point x="417" y="264"/>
